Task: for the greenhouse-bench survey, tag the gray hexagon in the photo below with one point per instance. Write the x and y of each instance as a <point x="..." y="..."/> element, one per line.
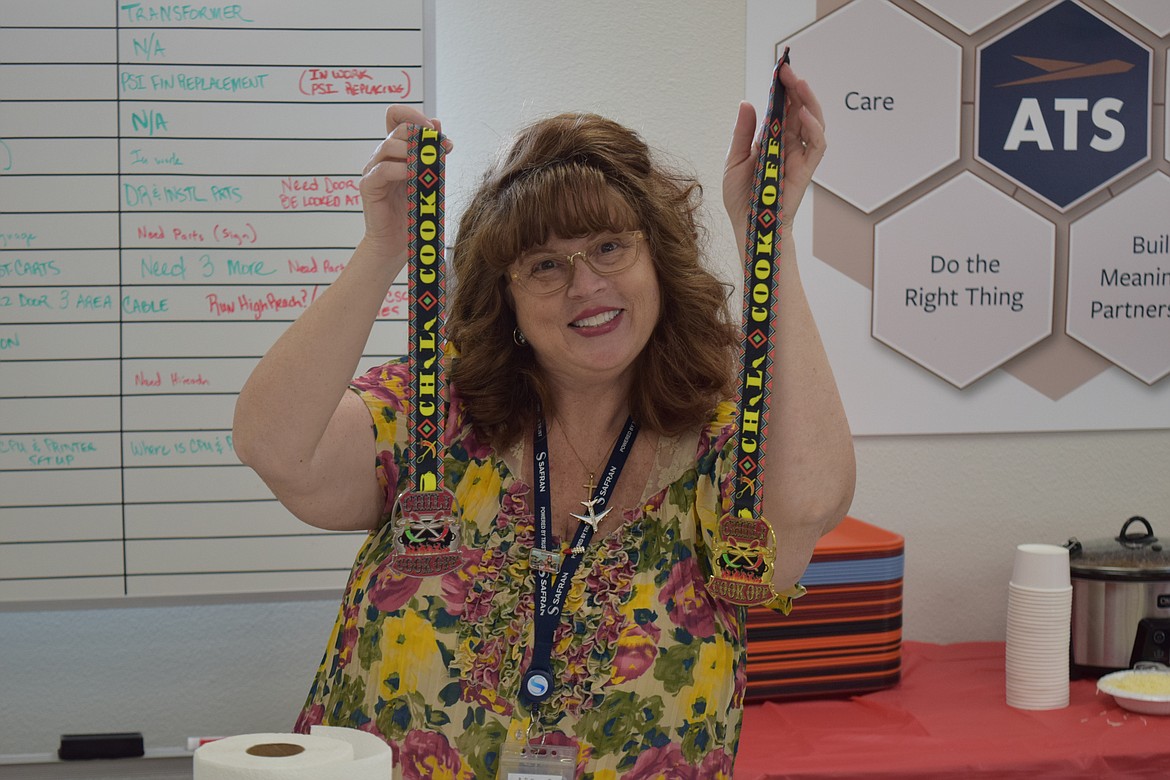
<point x="894" y="112"/>
<point x="961" y="297"/>
<point x="1118" y="278"/>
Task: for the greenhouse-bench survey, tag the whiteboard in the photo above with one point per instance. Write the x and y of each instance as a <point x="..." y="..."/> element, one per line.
<point x="177" y="183"/>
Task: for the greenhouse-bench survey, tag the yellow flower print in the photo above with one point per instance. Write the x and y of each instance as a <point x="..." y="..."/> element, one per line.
<point x="724" y="415"/>
<point x="385" y="430"/>
<point x="711" y="673"/>
<point x="410" y="655"/>
<point x="643" y="596"/>
<point x="575" y="597"/>
<point x="478" y="492"/>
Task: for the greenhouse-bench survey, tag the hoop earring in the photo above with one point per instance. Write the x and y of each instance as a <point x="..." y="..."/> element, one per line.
<point x="518" y="337"/>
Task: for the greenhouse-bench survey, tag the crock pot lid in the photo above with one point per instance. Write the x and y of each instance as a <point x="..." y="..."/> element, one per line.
<point x="1133" y="552"/>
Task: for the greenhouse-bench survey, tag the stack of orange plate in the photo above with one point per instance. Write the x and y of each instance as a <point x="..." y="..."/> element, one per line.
<point x="845" y="635"/>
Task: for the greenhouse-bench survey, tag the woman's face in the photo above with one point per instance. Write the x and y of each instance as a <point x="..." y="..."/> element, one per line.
<point x="596" y="327"/>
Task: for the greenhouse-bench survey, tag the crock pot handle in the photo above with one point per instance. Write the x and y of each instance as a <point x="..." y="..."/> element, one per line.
<point x="1146" y="538"/>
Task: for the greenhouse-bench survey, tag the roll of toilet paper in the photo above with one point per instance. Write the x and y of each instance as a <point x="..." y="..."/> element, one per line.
<point x="328" y="753"/>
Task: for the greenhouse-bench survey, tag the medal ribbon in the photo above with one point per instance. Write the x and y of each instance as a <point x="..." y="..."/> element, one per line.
<point x="425" y="525"/>
<point x="746" y="545"/>
<point x="425" y="161"/>
<point x="761" y="303"/>
<point x="537" y="683"/>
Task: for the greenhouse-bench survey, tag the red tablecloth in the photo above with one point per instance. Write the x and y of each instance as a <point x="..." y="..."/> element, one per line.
<point x="948" y="718"/>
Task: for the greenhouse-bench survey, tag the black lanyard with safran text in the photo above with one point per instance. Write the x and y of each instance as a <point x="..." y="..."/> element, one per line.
<point x="424" y="522"/>
<point x="745" y="549"/>
<point x="536" y="686"/>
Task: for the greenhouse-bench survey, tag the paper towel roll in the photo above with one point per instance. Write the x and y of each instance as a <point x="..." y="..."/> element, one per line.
<point x="328" y="753"/>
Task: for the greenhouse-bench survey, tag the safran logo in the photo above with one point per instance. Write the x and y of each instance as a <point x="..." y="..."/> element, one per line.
<point x="1063" y="104"/>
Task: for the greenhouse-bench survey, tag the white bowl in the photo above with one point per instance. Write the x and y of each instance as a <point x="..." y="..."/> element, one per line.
<point x="1135" y="701"/>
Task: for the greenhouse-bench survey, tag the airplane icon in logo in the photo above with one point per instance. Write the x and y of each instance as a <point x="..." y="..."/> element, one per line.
<point x="1064" y="70"/>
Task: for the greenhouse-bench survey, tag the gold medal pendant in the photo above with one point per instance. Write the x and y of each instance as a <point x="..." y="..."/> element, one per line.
<point x="745" y="559"/>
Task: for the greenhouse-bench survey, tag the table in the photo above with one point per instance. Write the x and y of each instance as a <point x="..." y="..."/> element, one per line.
<point x="948" y="718"/>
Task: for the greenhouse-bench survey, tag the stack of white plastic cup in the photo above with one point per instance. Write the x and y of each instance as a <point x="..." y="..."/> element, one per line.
<point x="1038" y="621"/>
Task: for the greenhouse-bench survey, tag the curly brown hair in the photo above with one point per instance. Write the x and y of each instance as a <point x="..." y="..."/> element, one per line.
<point x="569" y="176"/>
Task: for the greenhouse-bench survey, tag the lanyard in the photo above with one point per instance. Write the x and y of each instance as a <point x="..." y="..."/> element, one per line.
<point x="537" y="684"/>
<point x="425" y="521"/>
<point x="745" y="549"/>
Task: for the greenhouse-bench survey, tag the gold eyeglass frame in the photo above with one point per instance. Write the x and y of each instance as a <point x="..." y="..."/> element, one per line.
<point x="637" y="235"/>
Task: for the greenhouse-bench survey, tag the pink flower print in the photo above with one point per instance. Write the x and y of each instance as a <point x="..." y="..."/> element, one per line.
<point x="388" y="383"/>
<point x="348" y="637"/>
<point x="457" y="584"/>
<point x="513" y="504"/>
<point x="716" y="766"/>
<point x="686" y="602"/>
<point x="636" y="651"/>
<point x="427" y="756"/>
<point x="309" y="717"/>
<point x="388" y="590"/>
<point x="664" y="763"/>
<point x="653" y="504"/>
<point x="371" y="727"/>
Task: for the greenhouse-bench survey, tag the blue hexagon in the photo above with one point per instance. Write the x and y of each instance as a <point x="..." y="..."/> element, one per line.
<point x="1063" y="103"/>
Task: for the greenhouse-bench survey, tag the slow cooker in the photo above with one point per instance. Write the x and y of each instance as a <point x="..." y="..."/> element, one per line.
<point x="1121" y="600"/>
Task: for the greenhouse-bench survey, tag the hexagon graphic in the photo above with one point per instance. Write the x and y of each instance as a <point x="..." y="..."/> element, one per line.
<point x="1063" y="103"/>
<point x="1154" y="15"/>
<point x="894" y="110"/>
<point x="970" y="16"/>
<point x="1119" y="276"/>
<point x="960" y="297"/>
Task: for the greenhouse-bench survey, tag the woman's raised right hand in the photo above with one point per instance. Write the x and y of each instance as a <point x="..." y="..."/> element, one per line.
<point x="384" y="179"/>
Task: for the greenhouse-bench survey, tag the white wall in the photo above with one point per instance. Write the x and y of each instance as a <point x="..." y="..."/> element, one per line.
<point x="674" y="70"/>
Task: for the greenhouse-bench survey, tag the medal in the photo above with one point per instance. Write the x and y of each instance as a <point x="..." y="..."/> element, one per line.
<point x="745" y="556"/>
<point x="426" y="533"/>
<point x="424" y="522"/>
<point x="745" y="547"/>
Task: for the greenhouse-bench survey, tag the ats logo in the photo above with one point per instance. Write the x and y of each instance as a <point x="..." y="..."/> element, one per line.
<point x="1063" y="104"/>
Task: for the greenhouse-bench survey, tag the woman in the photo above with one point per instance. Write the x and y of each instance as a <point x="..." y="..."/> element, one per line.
<point x="582" y="324"/>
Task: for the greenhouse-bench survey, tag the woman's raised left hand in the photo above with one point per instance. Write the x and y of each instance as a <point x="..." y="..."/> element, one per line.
<point x="804" y="146"/>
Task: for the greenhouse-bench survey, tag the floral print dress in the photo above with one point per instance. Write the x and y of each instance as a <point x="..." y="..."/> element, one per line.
<point x="650" y="669"/>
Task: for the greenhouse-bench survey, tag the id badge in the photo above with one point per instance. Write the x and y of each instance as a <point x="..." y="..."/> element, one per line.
<point x="524" y="759"/>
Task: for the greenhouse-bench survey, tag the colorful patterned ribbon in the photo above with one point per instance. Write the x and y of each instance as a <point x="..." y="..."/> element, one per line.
<point x="425" y="263"/>
<point x="746" y="545"/>
<point x="425" y="522"/>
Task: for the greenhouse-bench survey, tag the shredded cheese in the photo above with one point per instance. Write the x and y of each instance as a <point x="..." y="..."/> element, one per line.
<point x="1145" y="683"/>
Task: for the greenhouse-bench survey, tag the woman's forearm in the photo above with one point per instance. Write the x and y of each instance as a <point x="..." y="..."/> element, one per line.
<point x="287" y="403"/>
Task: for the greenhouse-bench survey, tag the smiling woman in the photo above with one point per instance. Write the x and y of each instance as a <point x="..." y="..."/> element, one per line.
<point x="588" y="433"/>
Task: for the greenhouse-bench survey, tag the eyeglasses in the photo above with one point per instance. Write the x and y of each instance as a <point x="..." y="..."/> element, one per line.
<point x="545" y="274"/>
